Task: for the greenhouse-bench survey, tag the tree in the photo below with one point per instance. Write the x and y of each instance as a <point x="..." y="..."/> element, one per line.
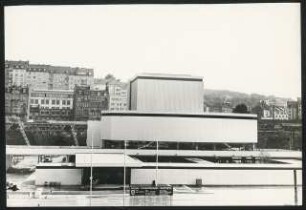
<point x="110" y="77"/>
<point x="240" y="108"/>
<point x="257" y="110"/>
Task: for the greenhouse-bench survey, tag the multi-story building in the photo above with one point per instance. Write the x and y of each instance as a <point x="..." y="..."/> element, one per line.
<point x="15" y="73"/>
<point x="299" y="108"/>
<point x="51" y="105"/>
<point x="16" y="101"/>
<point x="279" y="113"/>
<point x="46" y="76"/>
<point x="99" y="84"/>
<point x="88" y="103"/>
<point x="274" y="111"/>
<point x="117" y="94"/>
<point x="38" y="77"/>
<point x="294" y="110"/>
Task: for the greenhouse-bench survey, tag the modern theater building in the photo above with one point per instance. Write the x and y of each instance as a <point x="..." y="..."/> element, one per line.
<point x="165" y="136"/>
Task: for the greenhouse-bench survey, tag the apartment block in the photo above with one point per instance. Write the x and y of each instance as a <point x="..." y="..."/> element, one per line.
<point x="16" y="101"/>
<point x="50" y="105"/>
<point x="88" y="103"/>
<point x="46" y="76"/>
<point x="117" y="94"/>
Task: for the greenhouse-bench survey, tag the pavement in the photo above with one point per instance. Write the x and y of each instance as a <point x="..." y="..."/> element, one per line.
<point x="209" y="196"/>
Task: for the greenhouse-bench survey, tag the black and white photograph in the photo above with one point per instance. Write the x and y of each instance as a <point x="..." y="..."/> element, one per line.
<point x="153" y="105"/>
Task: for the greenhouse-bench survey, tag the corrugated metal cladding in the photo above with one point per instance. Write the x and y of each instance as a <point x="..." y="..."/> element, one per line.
<point x="167" y="95"/>
<point x="178" y="129"/>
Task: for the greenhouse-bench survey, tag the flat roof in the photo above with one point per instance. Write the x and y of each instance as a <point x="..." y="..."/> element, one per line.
<point x="106" y="160"/>
<point x="73" y="150"/>
<point x="175" y="114"/>
<point x="233" y="166"/>
<point x="157" y="76"/>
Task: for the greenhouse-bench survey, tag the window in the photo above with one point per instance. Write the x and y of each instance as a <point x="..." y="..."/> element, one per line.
<point x="64" y="102"/>
<point x="53" y="102"/>
<point x="42" y="101"/>
<point x="47" y="101"/>
<point x="57" y="102"/>
<point x="68" y="102"/>
<point x="32" y="101"/>
<point x="36" y="101"/>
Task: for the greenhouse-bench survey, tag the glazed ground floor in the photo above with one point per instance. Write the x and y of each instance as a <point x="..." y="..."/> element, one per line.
<point x="208" y="176"/>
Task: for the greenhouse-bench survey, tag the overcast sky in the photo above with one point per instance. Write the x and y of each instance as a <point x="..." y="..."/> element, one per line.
<point x="251" y="48"/>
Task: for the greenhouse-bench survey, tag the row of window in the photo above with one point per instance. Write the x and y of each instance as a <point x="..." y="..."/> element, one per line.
<point x="52" y="95"/>
<point x="118" y="104"/>
<point x="116" y="108"/>
<point x="53" y="102"/>
<point x="15" y="66"/>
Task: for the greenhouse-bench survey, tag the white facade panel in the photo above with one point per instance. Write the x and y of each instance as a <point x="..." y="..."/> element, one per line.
<point x="179" y="129"/>
<point x="94" y="133"/>
<point x="64" y="176"/>
<point x="215" y="177"/>
<point x="167" y="95"/>
<point x="106" y="160"/>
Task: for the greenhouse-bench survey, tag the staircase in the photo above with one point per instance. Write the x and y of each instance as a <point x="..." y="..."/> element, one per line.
<point x="228" y="146"/>
<point x="24" y="135"/>
<point x="74" y="135"/>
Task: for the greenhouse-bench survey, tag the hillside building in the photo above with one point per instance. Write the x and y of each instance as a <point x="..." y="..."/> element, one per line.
<point x="117" y="96"/>
<point x="16" y="101"/>
<point x="15" y="73"/>
<point x="88" y="103"/>
<point x="294" y="110"/>
<point x="50" y="105"/>
<point x="46" y="76"/>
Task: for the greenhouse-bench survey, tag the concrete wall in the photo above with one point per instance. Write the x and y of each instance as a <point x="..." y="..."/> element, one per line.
<point x="167" y="95"/>
<point x="64" y="176"/>
<point x="94" y="133"/>
<point x="8" y="161"/>
<point x="184" y="129"/>
<point x="215" y="177"/>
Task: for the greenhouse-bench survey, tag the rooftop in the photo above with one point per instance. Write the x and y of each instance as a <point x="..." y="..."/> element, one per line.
<point x="72" y="150"/>
<point x="56" y="69"/>
<point x="167" y="77"/>
<point x="50" y="91"/>
<point x="181" y="114"/>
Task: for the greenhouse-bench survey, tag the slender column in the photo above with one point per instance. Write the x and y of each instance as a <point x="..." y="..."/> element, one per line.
<point x="91" y="167"/>
<point x="124" y="173"/>
<point x="295" y="188"/>
<point x="156" y="163"/>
